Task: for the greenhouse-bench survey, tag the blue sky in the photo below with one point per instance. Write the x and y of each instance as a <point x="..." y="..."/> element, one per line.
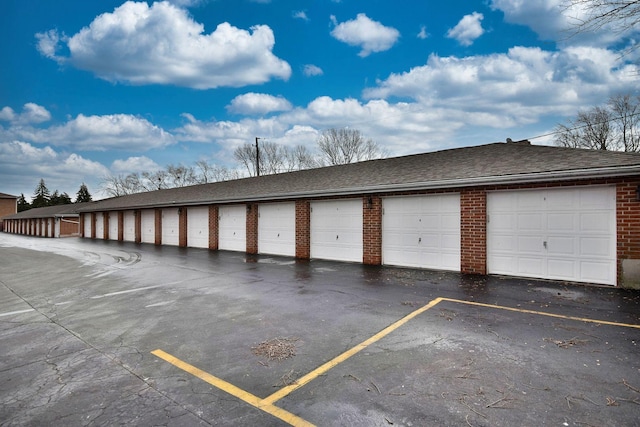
<point x="96" y="88"/>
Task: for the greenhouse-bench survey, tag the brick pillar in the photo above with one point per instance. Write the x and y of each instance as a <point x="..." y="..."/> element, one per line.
<point x="182" y="227"/>
<point x="303" y="229"/>
<point x="473" y="231"/>
<point x="94" y="218"/>
<point x="105" y="225"/>
<point x="158" y="226"/>
<point x="213" y="228"/>
<point x="120" y="226"/>
<point x="372" y="230"/>
<point x="81" y="220"/>
<point x="137" y="215"/>
<point x="628" y="230"/>
<point x="252" y="228"/>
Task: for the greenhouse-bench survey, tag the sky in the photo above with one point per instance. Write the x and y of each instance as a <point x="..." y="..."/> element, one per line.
<point x="90" y="89"/>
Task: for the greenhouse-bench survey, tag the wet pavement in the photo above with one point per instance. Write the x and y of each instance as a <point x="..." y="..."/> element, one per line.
<point x="108" y="333"/>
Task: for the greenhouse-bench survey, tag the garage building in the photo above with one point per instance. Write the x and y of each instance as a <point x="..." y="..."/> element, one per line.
<point x="504" y="208"/>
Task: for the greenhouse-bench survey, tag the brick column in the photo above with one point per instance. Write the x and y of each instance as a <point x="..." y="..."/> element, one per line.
<point x="120" y="226"/>
<point x="303" y="229"/>
<point x="105" y="225"/>
<point x="252" y="228"/>
<point x="213" y="228"/>
<point x="473" y="231"/>
<point x="372" y="230"/>
<point x="182" y="227"/>
<point x="628" y="230"/>
<point x="137" y="214"/>
<point x="93" y="224"/>
<point x="158" y="226"/>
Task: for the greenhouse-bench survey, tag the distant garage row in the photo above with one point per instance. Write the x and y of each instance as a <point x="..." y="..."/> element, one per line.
<point x="505" y="208"/>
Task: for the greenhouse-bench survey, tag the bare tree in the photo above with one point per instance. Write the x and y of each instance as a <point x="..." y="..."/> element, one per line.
<point x="342" y="146"/>
<point x="618" y="15"/>
<point x="246" y="156"/>
<point x="298" y="158"/>
<point x="207" y="172"/>
<point x="627" y="121"/>
<point x="181" y="176"/>
<point x="614" y="126"/>
<point x="121" y="185"/>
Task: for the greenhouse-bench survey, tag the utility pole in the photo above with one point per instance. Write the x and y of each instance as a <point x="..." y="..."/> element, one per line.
<point x="257" y="158"/>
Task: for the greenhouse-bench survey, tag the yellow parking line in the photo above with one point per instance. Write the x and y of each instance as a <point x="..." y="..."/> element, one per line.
<point x="223" y="385"/>
<point x="347" y="354"/>
<point x="267" y="404"/>
<point x="542" y="313"/>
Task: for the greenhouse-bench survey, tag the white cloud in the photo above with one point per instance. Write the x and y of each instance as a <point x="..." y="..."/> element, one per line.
<point x="134" y="164"/>
<point x="310" y="70"/>
<point x="301" y="14"/>
<point x="22" y="163"/>
<point x="99" y="133"/>
<point x="514" y="88"/>
<point x="423" y="33"/>
<point x="162" y="44"/>
<point x="554" y="20"/>
<point x="48" y="43"/>
<point x="31" y="113"/>
<point x="370" y="35"/>
<point x="258" y="104"/>
<point x="468" y="29"/>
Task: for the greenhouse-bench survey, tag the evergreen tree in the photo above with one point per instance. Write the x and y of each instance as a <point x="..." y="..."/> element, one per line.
<point x="54" y="199"/>
<point x="83" y="194"/>
<point x="64" y="199"/>
<point x="41" y="196"/>
<point x="23" y="205"/>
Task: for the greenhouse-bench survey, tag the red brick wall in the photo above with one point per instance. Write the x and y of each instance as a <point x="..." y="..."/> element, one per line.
<point x="252" y="228"/>
<point x="158" y="226"/>
<point x="303" y="229"/>
<point x="138" y="225"/>
<point x="120" y="226"/>
<point x="473" y="231"/>
<point x="628" y="223"/>
<point x="67" y="228"/>
<point x="213" y="227"/>
<point x="182" y="227"/>
<point x="94" y="217"/>
<point x="372" y="230"/>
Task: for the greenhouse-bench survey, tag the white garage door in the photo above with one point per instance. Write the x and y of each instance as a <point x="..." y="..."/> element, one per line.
<point x="232" y="228"/>
<point x="129" y="232"/>
<point x="148" y="226"/>
<point x="277" y="229"/>
<point x="87" y="225"/>
<point x="198" y="227"/>
<point x="170" y="227"/>
<point x="113" y="225"/>
<point x="422" y="231"/>
<point x="336" y="230"/>
<point x="99" y="225"/>
<point x="560" y="234"/>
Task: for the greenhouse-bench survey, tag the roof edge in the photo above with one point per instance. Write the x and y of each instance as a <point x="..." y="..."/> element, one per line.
<point x="537" y="177"/>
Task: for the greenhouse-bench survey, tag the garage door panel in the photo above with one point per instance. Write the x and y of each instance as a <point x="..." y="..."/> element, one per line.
<point x="232" y="225"/>
<point x="336" y="230"/>
<point x="129" y="222"/>
<point x="559" y="222"/>
<point x="198" y="227"/>
<point x="571" y="230"/>
<point x="276" y="229"/>
<point x="99" y="225"/>
<point x="148" y="227"/>
<point x="422" y="231"/>
<point x="113" y="226"/>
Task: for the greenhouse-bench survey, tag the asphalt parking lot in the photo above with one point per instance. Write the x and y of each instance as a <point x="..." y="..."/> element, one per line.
<point x="108" y="333"/>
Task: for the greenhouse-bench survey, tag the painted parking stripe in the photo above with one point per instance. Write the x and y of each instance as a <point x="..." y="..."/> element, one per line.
<point x="542" y="313"/>
<point x="110" y="294"/>
<point x="267" y="404"/>
<point x="11" y="313"/>
<point x="223" y="385"/>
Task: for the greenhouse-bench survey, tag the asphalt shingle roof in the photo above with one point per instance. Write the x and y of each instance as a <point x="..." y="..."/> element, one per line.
<point x="484" y="164"/>
<point x="49" y="211"/>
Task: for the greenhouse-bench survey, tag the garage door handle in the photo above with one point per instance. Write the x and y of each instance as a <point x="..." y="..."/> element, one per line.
<point x="337" y="237"/>
<point x="544" y="244"/>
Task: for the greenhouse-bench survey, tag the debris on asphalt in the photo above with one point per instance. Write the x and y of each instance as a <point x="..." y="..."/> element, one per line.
<point x="277" y="348"/>
<point x="566" y="343"/>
